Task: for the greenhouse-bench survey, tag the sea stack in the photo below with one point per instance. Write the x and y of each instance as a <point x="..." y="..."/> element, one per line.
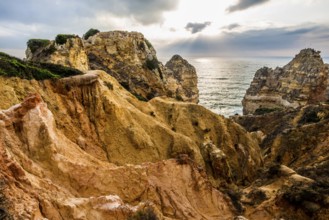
<point x="304" y="80"/>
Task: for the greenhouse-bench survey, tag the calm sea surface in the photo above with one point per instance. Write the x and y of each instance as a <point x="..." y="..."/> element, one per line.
<point x="223" y="82"/>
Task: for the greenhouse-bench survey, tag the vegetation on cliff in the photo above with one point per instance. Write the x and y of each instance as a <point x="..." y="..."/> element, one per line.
<point x="14" y="67"/>
<point x="62" y="38"/>
<point x="152" y="64"/>
<point x="91" y="32"/>
<point x="35" y="44"/>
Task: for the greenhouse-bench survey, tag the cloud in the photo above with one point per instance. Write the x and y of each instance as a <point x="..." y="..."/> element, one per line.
<point x="244" y="4"/>
<point x="60" y="11"/>
<point x="265" y="42"/>
<point x="196" y="27"/>
<point x="231" y="26"/>
<point x="21" y="20"/>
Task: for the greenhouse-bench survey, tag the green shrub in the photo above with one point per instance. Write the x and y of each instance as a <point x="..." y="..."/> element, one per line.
<point x="148" y="43"/>
<point x="152" y="64"/>
<point x="257" y="196"/>
<point x="140" y="97"/>
<point x="179" y="98"/>
<point x="89" y="33"/>
<point x="62" y="38"/>
<point x="109" y="85"/>
<point x="146" y="214"/>
<point x="235" y="197"/>
<point x="309" y="117"/>
<point x="35" y="44"/>
<point x="14" y="67"/>
<point x="59" y="70"/>
<point x="263" y="111"/>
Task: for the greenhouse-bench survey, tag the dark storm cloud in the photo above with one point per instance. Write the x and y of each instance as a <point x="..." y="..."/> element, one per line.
<point x="244" y="4"/>
<point x="61" y="11"/>
<point x="255" y="42"/>
<point x="196" y="27"/>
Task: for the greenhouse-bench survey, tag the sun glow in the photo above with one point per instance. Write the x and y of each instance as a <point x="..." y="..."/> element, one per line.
<point x="191" y="11"/>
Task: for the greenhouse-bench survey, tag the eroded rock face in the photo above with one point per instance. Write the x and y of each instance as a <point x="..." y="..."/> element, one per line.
<point x="108" y="122"/>
<point x="305" y="80"/>
<point x="297" y="138"/>
<point x="186" y="75"/>
<point x="128" y="57"/>
<point x="67" y="157"/>
<point x="292" y="136"/>
<point x="70" y="54"/>
<point x="294" y="140"/>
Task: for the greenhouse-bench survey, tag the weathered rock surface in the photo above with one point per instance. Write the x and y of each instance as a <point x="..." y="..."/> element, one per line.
<point x="128" y="57"/>
<point x="297" y="138"/>
<point x="305" y="80"/>
<point x="293" y="138"/>
<point x="67" y="157"/>
<point x="186" y="75"/>
<point x="70" y="54"/>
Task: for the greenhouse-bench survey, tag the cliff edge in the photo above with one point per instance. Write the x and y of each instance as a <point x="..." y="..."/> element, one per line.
<point x="127" y="56"/>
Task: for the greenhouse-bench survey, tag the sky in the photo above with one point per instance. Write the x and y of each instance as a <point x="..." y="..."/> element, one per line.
<point x="227" y="28"/>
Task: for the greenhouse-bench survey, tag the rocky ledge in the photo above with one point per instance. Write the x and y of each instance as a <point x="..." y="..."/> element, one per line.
<point x="305" y="80"/>
<point x="127" y="56"/>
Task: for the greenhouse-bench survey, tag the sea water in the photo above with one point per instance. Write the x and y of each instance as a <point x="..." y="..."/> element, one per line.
<point x="223" y="82"/>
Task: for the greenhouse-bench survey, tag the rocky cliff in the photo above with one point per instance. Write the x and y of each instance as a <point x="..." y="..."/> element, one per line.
<point x="294" y="144"/>
<point x="68" y="53"/>
<point x="290" y="121"/>
<point x="83" y="147"/>
<point x="305" y="80"/>
<point x="128" y="57"/>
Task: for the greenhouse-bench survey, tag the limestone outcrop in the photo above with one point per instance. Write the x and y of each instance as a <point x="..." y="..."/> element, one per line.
<point x="305" y="80"/>
<point x="288" y="113"/>
<point x="128" y="57"/>
<point x="83" y="147"/>
<point x="186" y="75"/>
<point x="70" y="53"/>
<point x="45" y="175"/>
<point x="294" y="144"/>
<point x="295" y="138"/>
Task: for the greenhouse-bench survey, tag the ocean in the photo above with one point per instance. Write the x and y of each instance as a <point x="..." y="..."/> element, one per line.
<point x="223" y="82"/>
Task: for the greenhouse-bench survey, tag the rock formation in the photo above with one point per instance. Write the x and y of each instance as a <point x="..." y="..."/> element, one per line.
<point x="70" y="53"/>
<point x="128" y="57"/>
<point x="56" y="179"/>
<point x="83" y="147"/>
<point x="290" y="121"/>
<point x="294" y="144"/>
<point x="305" y="80"/>
<point x="186" y="75"/>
